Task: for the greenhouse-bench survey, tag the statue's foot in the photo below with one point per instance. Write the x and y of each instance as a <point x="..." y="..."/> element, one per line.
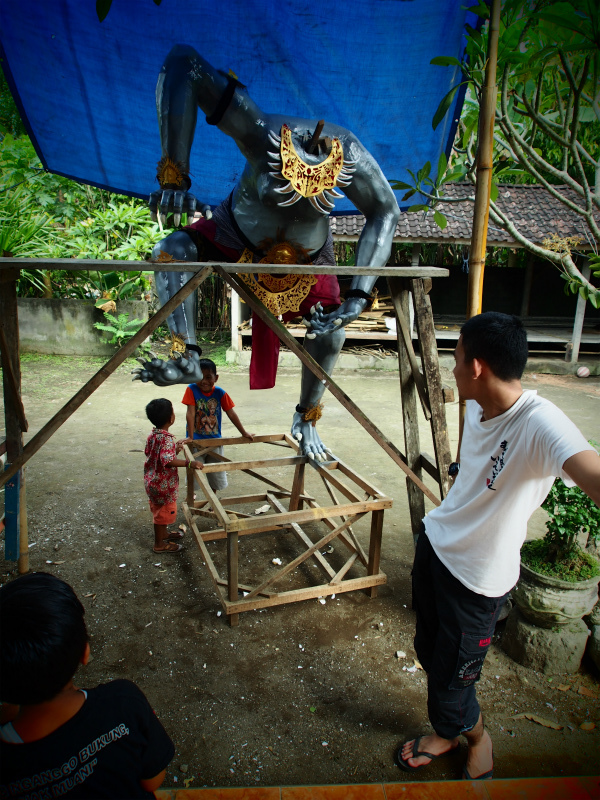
<point x="309" y="440"/>
<point x="167" y="373"/>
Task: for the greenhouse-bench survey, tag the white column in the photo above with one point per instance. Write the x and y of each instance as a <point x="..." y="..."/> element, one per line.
<point x="236" y="318"/>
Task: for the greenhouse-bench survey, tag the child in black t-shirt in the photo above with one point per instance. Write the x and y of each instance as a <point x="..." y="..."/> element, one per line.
<point x="56" y="739"/>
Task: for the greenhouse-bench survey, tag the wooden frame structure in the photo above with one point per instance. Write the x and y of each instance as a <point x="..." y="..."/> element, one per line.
<point x="301" y="508"/>
<point x="407" y="284"/>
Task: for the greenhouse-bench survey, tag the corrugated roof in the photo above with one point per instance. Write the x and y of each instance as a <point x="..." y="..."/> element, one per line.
<point x="533" y="210"/>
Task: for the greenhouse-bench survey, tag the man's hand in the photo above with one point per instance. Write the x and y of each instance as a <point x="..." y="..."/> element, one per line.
<point x="176" y="202"/>
<point x="320" y="323"/>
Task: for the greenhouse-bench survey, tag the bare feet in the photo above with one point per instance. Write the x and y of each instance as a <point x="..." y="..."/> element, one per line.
<point x="433" y="744"/>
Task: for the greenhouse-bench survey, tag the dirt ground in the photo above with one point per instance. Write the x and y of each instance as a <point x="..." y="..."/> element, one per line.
<point x="306" y="693"/>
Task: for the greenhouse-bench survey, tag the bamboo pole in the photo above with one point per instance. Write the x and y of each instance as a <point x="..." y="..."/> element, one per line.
<point x="484" y="169"/>
<point x="483" y="188"/>
<point x="103" y="373"/>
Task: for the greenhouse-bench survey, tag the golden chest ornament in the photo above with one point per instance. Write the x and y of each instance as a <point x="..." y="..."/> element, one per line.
<point x="316" y="182"/>
<point x="279" y="293"/>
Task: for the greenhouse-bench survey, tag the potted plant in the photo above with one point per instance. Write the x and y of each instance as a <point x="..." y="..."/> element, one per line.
<point x="559" y="579"/>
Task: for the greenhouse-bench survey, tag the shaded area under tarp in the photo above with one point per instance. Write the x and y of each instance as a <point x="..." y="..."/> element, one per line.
<point x="86" y="88"/>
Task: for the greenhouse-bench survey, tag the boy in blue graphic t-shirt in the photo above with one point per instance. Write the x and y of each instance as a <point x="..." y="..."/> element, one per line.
<point x="205" y="402"/>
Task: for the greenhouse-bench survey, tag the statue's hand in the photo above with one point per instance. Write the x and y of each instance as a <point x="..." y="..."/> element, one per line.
<point x="166" y="373"/>
<point x="309" y="440"/>
<point x="176" y="202"/>
<point x="320" y="323"/>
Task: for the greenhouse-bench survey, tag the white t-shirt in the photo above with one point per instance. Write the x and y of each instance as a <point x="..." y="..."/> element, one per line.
<point x="507" y="467"/>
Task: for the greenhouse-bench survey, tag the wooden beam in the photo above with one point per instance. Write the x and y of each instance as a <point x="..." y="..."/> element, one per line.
<point x="99" y="265"/>
<point x="103" y="373"/>
<point x="327" y="381"/>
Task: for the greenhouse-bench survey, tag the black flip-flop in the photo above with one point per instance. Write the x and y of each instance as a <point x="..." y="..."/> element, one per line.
<point x="485" y="776"/>
<point x="416" y="753"/>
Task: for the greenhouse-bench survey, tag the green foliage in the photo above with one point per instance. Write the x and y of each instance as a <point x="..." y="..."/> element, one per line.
<point x="547" y="117"/>
<point x="579" y="566"/>
<point x="121" y="327"/>
<point x="571" y="514"/>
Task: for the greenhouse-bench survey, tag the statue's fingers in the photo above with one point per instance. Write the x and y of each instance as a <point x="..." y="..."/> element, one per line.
<point x="153" y="204"/>
<point x="206" y="212"/>
<point x="311" y="335"/>
<point x="178" y="198"/>
<point x="190" y="204"/>
<point x="136" y="377"/>
<point x="338" y="321"/>
<point x="152" y="354"/>
<point x="306" y="323"/>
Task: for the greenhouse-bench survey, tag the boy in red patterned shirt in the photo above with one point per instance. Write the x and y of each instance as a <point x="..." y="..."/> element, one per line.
<point x="161" y="478"/>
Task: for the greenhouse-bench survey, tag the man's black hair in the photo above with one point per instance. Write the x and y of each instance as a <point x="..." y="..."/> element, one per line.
<point x="159" y="411"/>
<point x="498" y="339"/>
<point x="206" y="363"/>
<point x="43" y="638"/>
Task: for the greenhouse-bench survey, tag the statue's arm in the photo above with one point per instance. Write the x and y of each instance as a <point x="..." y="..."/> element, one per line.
<point x="186" y="83"/>
<point x="372" y="195"/>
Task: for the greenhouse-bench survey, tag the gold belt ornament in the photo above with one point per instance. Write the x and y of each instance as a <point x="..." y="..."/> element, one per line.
<point x="279" y="293"/>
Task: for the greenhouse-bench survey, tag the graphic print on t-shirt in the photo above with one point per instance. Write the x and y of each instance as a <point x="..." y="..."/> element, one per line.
<point x="498" y="462"/>
<point x="206" y="422"/>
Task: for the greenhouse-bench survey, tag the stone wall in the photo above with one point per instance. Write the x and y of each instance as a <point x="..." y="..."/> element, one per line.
<point x="66" y="327"/>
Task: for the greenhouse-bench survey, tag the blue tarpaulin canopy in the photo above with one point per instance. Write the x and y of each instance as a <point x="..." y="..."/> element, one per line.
<point x="86" y="88"/>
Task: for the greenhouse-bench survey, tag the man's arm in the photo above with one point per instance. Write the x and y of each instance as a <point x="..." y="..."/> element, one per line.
<point x="584" y="469"/>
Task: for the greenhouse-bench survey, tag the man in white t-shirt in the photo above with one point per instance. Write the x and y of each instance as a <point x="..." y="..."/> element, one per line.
<point x="467" y="559"/>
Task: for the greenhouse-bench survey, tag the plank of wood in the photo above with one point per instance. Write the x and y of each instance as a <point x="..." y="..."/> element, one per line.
<point x="308" y="593"/>
<point x="42" y="436"/>
<point x="100" y="265"/>
<point x="309" y="514"/>
<point x="265" y="463"/>
<point x="327" y="381"/>
<point x="208" y="562"/>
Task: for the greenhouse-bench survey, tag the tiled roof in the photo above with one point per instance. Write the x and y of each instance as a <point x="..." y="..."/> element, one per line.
<point x="533" y="210"/>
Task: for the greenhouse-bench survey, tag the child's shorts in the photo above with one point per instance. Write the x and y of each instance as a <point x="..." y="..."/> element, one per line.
<point x="165" y="514"/>
<point x="216" y="480"/>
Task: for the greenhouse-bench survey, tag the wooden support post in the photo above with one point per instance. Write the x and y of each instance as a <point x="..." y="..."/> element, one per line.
<point x="232" y="573"/>
<point x="410" y="421"/>
<point x="23" y="529"/>
<point x="297" y="488"/>
<point x="433" y="381"/>
<point x="375" y="548"/>
<point x="14" y="415"/>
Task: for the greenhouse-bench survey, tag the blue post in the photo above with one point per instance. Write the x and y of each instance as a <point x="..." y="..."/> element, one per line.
<point x="11" y="517"/>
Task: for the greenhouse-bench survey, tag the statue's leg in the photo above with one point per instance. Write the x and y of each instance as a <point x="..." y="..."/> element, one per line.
<point x="325" y="350"/>
<point x="181" y="247"/>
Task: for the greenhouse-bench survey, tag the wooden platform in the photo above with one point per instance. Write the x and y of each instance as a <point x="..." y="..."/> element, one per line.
<point x="290" y="508"/>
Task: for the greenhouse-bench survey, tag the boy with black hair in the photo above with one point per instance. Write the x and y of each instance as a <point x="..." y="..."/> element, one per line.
<point x="55" y="739"/>
<point x="467" y="558"/>
<point x="161" y="478"/>
<point x="205" y="401"/>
